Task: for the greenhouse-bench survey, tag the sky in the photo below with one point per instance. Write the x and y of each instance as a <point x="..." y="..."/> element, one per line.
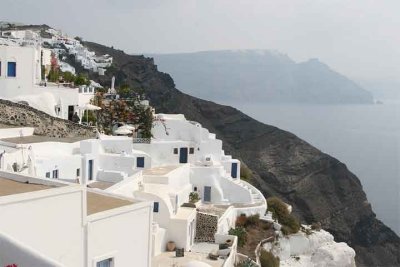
<point x="359" y="38"/>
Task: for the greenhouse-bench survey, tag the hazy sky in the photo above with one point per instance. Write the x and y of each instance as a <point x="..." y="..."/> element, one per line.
<point x="359" y="38"/>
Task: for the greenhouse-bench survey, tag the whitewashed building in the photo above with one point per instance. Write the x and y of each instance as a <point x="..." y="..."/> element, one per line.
<point x="21" y="80"/>
<point x="50" y="223"/>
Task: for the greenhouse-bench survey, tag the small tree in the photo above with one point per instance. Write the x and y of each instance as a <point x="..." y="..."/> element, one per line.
<point x="81" y="80"/>
<point x="124" y="91"/>
<point x="267" y="259"/>
<point x="68" y="77"/>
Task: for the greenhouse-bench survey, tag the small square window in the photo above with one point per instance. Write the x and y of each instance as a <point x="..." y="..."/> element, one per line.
<point x="156" y="206"/>
<point x="105" y="263"/>
<point x="191" y="150"/>
<point x="47" y="174"/>
<point x="176" y="151"/>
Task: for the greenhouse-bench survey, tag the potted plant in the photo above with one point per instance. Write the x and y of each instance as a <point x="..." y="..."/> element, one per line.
<point x="171" y="246"/>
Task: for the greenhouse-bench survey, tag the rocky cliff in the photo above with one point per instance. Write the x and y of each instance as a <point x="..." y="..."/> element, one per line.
<point x="15" y="114"/>
<point x="319" y="187"/>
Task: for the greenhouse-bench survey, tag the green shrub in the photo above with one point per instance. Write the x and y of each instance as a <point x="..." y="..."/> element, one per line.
<point x="193" y="197"/>
<point x="246" y="263"/>
<point x="245" y="173"/>
<point x="280" y="212"/>
<point x="253" y="220"/>
<point x="241" y="234"/>
<point x="267" y="259"/>
<point x="68" y="77"/>
<point x="81" y="80"/>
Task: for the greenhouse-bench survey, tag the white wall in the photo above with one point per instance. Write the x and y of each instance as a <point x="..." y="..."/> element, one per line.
<point x="14" y="252"/>
<point x="123" y="234"/>
<point x="47" y="222"/>
<point x="16" y="132"/>
<point x="223" y="189"/>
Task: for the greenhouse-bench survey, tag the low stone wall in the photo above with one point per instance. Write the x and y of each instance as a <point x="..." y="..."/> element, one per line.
<point x="15" y="114"/>
<point x="206" y="227"/>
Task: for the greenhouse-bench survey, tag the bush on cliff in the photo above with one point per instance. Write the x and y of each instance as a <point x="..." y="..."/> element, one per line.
<point x="290" y="224"/>
<point x="267" y="259"/>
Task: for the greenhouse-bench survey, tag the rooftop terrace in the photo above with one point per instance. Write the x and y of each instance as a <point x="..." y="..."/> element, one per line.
<point x="160" y="170"/>
<point x="98" y="203"/>
<point x="11" y="187"/>
<point x="39" y="139"/>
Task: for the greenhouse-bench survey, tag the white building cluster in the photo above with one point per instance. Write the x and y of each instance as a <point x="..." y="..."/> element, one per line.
<point x="114" y="200"/>
<point x="182" y="159"/>
<point x="24" y="63"/>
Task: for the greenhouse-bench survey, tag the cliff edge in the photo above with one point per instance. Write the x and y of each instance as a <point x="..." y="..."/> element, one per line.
<point x="319" y="187"/>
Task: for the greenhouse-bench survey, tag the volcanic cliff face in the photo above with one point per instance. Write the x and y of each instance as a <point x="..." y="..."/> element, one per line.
<point x="318" y="186"/>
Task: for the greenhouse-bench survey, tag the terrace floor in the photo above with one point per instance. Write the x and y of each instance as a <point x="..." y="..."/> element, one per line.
<point x="100" y="185"/>
<point x="11" y="187"/>
<point x="199" y="252"/>
<point x="160" y="170"/>
<point x="98" y="203"/>
<point x="40" y="138"/>
<point x="217" y="210"/>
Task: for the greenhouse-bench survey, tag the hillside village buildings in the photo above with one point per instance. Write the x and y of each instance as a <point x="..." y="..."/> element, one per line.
<point x="113" y="200"/>
<point x="24" y="63"/>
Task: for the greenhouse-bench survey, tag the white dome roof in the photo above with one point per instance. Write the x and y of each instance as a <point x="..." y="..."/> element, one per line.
<point x="196" y="264"/>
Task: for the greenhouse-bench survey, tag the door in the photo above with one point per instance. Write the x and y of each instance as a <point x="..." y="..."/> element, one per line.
<point x="90" y="170"/>
<point x="207" y="193"/>
<point x="140" y="162"/>
<point x="234" y="170"/>
<point x="183" y="155"/>
<point x="70" y="112"/>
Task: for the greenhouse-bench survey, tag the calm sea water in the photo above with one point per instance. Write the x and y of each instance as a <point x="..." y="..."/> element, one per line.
<point x="365" y="137"/>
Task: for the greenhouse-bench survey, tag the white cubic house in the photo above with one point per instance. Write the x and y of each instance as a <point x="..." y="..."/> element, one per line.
<point x="21" y="81"/>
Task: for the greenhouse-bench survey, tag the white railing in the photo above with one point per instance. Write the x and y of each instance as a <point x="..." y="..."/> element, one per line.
<point x="141" y="140"/>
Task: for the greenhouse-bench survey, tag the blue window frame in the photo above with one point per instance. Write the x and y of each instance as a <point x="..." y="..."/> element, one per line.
<point x="156" y="207"/>
<point x="140" y="162"/>
<point x="11" y="69"/>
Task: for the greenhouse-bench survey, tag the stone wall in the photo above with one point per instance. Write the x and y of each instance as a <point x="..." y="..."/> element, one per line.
<point x="206" y="227"/>
<point x="15" y="114"/>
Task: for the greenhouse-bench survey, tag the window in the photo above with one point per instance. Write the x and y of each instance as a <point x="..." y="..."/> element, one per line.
<point x="191" y="150"/>
<point x="140" y="162"/>
<point x="105" y="263"/>
<point x="47" y="174"/>
<point x="195" y="189"/>
<point x="156" y="206"/>
<point x="55" y="174"/>
<point x="176" y="151"/>
<point x="78" y="172"/>
<point x="11" y="69"/>
<point x="0" y="68"/>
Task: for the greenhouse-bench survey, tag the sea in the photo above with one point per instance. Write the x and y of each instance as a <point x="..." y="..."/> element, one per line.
<point x="364" y="137"/>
